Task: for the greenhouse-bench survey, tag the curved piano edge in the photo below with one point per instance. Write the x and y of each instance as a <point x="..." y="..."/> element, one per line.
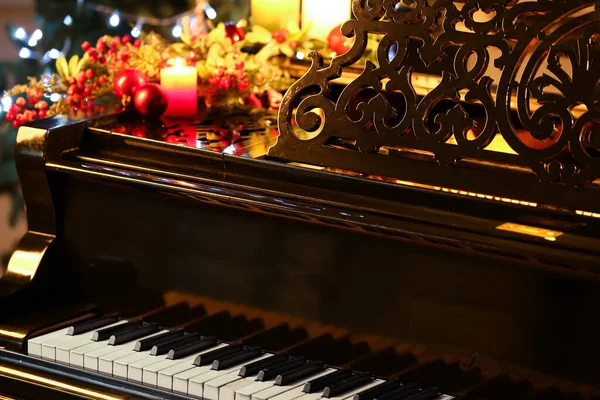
<point x="24" y="376"/>
<point x="25" y="262"/>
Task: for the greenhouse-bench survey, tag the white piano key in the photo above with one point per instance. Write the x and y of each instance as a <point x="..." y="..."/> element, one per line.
<point x="246" y="392"/>
<point x="34" y="345"/>
<point x="347" y="395"/>
<point x="166" y="375"/>
<point x="120" y="366"/>
<point x="228" y="391"/>
<point x="211" y="387"/>
<point x="196" y="383"/>
<point x="135" y="370"/>
<point x="276" y="390"/>
<point x="106" y="361"/>
<point x="91" y="359"/>
<point x="62" y="346"/>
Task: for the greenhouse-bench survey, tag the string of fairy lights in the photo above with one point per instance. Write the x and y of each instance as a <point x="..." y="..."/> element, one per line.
<point x="114" y="18"/>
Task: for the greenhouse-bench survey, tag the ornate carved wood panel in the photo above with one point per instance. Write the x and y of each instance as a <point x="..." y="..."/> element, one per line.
<point x="517" y="100"/>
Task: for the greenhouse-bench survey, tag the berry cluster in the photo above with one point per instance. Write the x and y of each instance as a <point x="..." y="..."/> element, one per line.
<point x="81" y="87"/>
<point x="114" y="54"/>
<point x="231" y="79"/>
<point x="19" y="113"/>
<point x="279" y="35"/>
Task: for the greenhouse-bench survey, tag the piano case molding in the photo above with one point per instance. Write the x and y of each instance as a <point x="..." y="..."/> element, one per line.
<point x="548" y="56"/>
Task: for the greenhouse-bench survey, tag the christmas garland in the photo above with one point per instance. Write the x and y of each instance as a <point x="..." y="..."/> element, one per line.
<point x="233" y="66"/>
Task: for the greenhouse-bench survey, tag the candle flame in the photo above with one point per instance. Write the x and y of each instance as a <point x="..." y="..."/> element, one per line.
<point x="178" y="63"/>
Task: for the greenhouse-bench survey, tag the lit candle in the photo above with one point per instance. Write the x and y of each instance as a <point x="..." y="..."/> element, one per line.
<point x="324" y="15"/>
<point x="275" y="14"/>
<point x="179" y="83"/>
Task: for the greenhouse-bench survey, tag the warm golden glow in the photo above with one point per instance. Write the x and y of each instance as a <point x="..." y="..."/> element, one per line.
<point x="56" y="384"/>
<point x="531" y="231"/>
<point x="24" y="263"/>
<point x="16" y="335"/>
<point x="588" y="214"/>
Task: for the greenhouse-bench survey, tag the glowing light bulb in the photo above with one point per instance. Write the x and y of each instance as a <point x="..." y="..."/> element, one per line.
<point x="177" y="31"/>
<point x="210" y="12"/>
<point x="114" y="19"/>
<point x="68" y="21"/>
<point x="25" y="53"/>
<point x="37" y="34"/>
<point x="20" y="33"/>
<point x="135" y="32"/>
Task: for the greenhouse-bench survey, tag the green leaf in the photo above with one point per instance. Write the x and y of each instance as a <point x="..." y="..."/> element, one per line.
<point x="62" y="67"/>
<point x="73" y="63"/>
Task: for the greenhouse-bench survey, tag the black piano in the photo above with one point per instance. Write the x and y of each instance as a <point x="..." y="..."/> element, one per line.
<point x="369" y="241"/>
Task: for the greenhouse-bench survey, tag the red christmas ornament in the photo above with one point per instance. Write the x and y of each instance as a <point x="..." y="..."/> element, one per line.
<point x="234" y="32"/>
<point x="128" y="81"/>
<point x="150" y="100"/>
<point x="338" y="42"/>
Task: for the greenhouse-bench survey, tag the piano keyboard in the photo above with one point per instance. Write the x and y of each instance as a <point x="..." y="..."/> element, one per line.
<point x="218" y="357"/>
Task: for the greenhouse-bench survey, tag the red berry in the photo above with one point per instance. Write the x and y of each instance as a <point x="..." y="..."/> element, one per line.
<point x="92" y="52"/>
<point x="21" y="102"/>
<point x="102" y="60"/>
<point x="94" y="59"/>
<point x="293" y="45"/>
<point x="13" y="108"/>
<point x="10" y="116"/>
<point x="31" y="100"/>
<point x="16" y="124"/>
<point x="42" y="105"/>
<point x="89" y="73"/>
<point x="126" y="39"/>
<point x="115" y="41"/>
<point x="85" y="46"/>
<point x="42" y="113"/>
<point x="102" y="79"/>
<point x="19" y="118"/>
<point x="76" y="98"/>
<point x="87" y="91"/>
<point x="72" y="80"/>
<point x="137" y="43"/>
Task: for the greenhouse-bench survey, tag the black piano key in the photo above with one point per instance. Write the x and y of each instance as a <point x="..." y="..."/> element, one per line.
<point x="90" y="324"/>
<point x="347" y="385"/>
<point x="400" y="393"/>
<point x="147" y="344"/>
<point x="272" y="372"/>
<point x="125" y="337"/>
<point x="176" y="342"/>
<point x="314" y="348"/>
<point x="385" y="363"/>
<point x="236" y="359"/>
<point x="427" y="394"/>
<point x="277" y="338"/>
<point x="299" y="373"/>
<point x="377" y="391"/>
<point x="191" y="348"/>
<point x="240" y="327"/>
<point x="257" y="366"/>
<point x="211" y="325"/>
<point x="175" y="315"/>
<point x="104" y="334"/>
<point x="321" y="383"/>
<point x="211" y="356"/>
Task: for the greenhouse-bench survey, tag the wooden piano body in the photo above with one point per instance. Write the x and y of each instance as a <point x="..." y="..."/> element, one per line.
<point x="486" y="278"/>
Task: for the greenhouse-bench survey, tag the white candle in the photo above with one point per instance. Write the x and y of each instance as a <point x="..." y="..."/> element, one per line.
<point x="275" y="14"/>
<point x="324" y="15"/>
<point x="180" y="85"/>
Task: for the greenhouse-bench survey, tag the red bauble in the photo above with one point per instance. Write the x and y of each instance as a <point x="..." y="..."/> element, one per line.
<point x="234" y="32"/>
<point x="338" y="42"/>
<point x="150" y="100"/>
<point x="128" y="81"/>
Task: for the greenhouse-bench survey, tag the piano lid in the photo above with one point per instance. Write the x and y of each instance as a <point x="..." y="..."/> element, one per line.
<point x="514" y="115"/>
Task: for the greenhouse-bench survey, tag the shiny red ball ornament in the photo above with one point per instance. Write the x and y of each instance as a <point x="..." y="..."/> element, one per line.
<point x="128" y="81"/>
<point x="234" y="32"/>
<point x="338" y="42"/>
<point x="150" y="100"/>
